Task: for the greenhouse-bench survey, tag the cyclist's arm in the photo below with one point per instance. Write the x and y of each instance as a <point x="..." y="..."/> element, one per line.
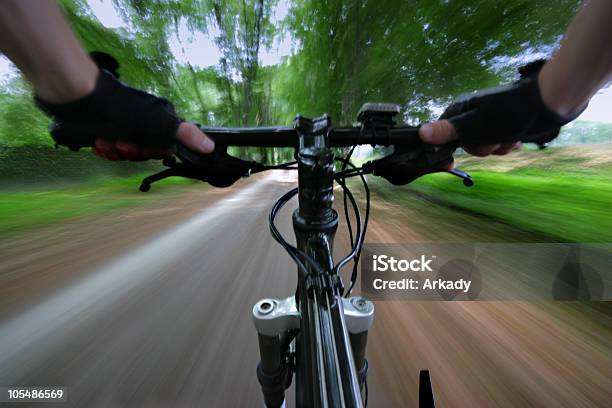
<point x="581" y="66"/>
<point x="583" y="63"/>
<point x="35" y="36"/>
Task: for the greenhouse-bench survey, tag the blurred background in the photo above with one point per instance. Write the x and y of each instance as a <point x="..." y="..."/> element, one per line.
<point x="70" y="221"/>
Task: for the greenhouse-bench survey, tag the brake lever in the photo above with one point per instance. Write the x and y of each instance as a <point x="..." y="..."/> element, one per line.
<point x="464" y="175"/>
<point x="405" y="165"/>
<point x="218" y="168"/>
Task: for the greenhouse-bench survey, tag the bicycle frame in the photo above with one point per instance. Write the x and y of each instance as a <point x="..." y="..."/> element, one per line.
<point x="317" y="333"/>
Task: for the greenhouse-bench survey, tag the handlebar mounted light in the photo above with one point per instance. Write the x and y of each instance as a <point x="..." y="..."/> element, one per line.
<point x="378" y="115"/>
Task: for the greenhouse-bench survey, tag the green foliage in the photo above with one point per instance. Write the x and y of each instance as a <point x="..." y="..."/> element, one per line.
<point x="200" y="98"/>
<point x="419" y="53"/>
<point x="409" y="52"/>
<point x="25" y="210"/>
<point x="143" y="53"/>
<point x="558" y="200"/>
<point x="565" y="207"/>
<point x="585" y="132"/>
<point x="245" y="28"/>
<point x="20" y="122"/>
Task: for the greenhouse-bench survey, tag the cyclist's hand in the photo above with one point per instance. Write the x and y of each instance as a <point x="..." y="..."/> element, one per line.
<point x="187" y="133"/>
<point x="496" y="120"/>
<point x="120" y="122"/>
<point x="443" y="131"/>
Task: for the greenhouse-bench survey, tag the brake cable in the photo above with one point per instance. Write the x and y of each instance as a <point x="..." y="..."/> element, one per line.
<point x="346" y="215"/>
<point x="297" y="255"/>
<point x="341" y="179"/>
<point x="356" y="248"/>
<point x="301" y="258"/>
<point x="363" y="233"/>
<point x="358" y="234"/>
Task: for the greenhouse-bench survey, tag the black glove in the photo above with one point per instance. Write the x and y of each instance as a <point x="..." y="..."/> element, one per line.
<point x="106" y="62"/>
<point x="507" y="114"/>
<point x="112" y="111"/>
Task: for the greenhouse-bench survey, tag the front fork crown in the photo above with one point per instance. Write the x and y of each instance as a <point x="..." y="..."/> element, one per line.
<point x="278" y="320"/>
<point x="274" y="317"/>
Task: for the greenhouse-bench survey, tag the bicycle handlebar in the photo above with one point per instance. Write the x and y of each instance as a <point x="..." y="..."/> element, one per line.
<point x="411" y="159"/>
<point x="288" y="137"/>
<point x="76" y="136"/>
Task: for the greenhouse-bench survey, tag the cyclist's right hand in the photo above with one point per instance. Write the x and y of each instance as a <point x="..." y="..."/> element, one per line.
<point x="495" y="121"/>
<point x="121" y="122"/>
<point x="187" y="133"/>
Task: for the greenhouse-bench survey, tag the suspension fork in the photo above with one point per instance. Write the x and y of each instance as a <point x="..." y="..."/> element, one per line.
<point x="277" y="322"/>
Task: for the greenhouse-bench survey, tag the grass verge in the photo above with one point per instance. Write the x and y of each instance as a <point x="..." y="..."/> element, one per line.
<point x="24" y="210"/>
<point x="570" y="207"/>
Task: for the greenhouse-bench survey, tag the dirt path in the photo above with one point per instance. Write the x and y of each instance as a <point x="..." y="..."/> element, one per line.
<point x="483" y="354"/>
<point x="40" y="261"/>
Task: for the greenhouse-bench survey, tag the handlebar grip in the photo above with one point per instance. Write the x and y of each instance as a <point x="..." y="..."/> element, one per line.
<point x="541" y="139"/>
<point x="74" y="136"/>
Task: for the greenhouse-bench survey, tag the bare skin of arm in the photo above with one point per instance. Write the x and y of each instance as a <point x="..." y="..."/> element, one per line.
<point x="579" y="68"/>
<point x="35" y="36"/>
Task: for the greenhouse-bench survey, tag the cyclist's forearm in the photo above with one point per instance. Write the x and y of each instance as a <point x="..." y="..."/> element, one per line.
<point x="35" y="36"/>
<point x="583" y="63"/>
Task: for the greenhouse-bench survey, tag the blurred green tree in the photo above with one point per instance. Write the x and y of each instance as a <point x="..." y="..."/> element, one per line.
<point x="418" y="53"/>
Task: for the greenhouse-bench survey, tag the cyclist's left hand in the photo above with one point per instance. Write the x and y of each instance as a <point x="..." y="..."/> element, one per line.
<point x="119" y="122"/>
